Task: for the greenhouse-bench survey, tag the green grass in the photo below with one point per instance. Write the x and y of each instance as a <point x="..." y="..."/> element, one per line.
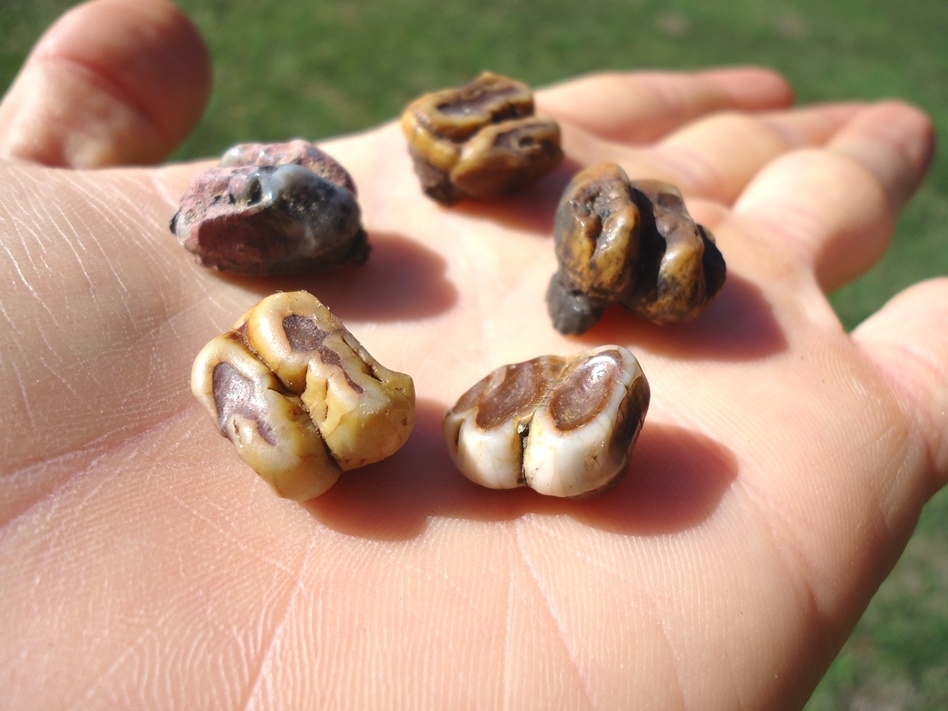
<point x="338" y="66"/>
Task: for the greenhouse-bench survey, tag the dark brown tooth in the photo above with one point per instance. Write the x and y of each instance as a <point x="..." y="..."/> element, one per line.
<point x="631" y="243"/>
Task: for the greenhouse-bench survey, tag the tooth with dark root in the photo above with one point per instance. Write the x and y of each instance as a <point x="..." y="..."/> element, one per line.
<point x="562" y="426"/>
<point x="633" y="243"/>
<point x="481" y="141"/>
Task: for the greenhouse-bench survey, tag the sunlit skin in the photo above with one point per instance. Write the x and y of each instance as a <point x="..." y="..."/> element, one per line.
<point x="777" y="478"/>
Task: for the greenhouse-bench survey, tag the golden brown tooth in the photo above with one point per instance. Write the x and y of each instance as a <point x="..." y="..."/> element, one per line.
<point x="479" y="141"/>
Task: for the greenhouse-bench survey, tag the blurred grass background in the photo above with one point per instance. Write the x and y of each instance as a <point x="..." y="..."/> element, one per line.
<point x="322" y="68"/>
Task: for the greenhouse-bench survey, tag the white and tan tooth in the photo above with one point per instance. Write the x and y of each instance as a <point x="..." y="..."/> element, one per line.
<point x="299" y="397"/>
<point x="562" y="426"/>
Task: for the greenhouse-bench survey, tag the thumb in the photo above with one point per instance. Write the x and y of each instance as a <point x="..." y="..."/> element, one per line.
<point x="908" y="340"/>
<point x="111" y="82"/>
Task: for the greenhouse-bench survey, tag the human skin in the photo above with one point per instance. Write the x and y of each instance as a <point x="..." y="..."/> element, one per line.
<point x="779" y="474"/>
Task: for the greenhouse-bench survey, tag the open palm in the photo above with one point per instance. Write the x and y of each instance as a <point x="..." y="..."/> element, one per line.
<point x="781" y="468"/>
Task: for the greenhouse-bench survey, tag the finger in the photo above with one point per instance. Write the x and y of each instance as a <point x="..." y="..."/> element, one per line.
<point x="895" y="143"/>
<point x="834" y="209"/>
<point x="908" y="340"/>
<point x="644" y="106"/>
<point x="111" y="82"/>
<point x="717" y="156"/>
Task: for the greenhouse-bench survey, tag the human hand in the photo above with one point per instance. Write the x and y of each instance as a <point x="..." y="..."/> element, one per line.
<point x="778" y="476"/>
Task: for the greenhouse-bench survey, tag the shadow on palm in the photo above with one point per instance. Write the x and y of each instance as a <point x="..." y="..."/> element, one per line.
<point x="674" y="481"/>
<point x="403" y="280"/>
